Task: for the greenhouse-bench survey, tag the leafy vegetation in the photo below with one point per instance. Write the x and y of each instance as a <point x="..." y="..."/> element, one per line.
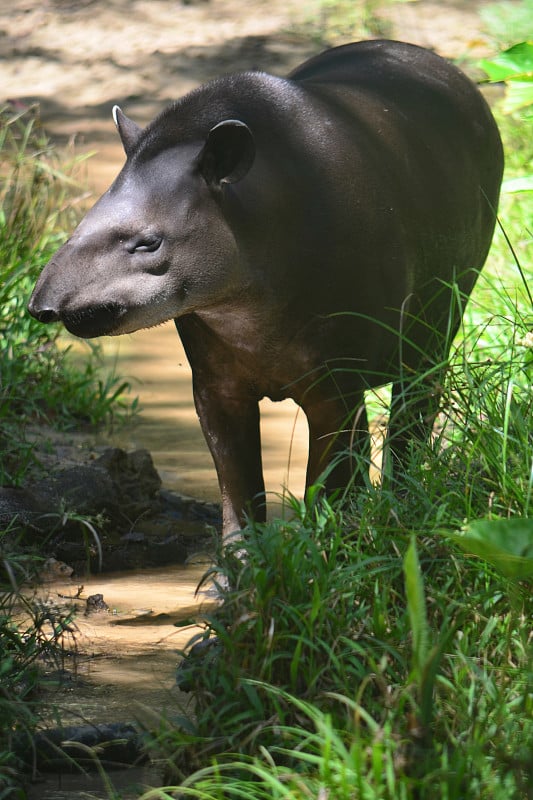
<point x="357" y="660"/>
<point x="39" y="383"/>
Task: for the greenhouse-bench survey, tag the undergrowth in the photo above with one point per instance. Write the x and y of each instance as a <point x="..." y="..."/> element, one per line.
<point x="39" y="382"/>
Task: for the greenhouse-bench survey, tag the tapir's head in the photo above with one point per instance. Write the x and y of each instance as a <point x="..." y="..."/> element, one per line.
<point x="157" y="244"/>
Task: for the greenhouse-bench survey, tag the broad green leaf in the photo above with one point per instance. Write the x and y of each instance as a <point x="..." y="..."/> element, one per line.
<point x="515" y="63"/>
<point x="507" y="544"/>
<point x="515" y="66"/>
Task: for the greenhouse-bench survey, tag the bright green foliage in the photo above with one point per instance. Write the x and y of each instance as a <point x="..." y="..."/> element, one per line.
<point x="507" y="544"/>
<point x="39" y="382"/>
<point x="290" y="621"/>
<point x="416" y="607"/>
<point x="515" y="67"/>
<point x="337" y="676"/>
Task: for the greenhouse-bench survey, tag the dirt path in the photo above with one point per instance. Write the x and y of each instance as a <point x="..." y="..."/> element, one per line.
<point x="78" y="57"/>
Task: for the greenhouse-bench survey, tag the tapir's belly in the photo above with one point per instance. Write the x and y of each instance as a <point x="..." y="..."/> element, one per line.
<point x="282" y="357"/>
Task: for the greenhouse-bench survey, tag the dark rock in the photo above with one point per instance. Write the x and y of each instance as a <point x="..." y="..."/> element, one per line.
<point x="169" y="551"/>
<point x="85" y="489"/>
<point x="188" y="508"/>
<point x="135" y="479"/>
<point x="136" y="537"/>
<point x="120" y="743"/>
<point x="20" y="507"/>
<point x="138" y="525"/>
<point x="95" y="604"/>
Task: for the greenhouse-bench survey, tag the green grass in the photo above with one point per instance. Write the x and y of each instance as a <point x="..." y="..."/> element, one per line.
<point x="39" y="381"/>
<point x="359" y="660"/>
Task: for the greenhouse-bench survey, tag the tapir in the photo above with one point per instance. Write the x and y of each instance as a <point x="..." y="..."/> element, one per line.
<point x="312" y="237"/>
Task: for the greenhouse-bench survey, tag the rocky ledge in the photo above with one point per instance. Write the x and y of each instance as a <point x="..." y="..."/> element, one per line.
<point x="108" y="513"/>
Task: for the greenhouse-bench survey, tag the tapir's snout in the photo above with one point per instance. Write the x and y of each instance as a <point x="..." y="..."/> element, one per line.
<point x="86" y="323"/>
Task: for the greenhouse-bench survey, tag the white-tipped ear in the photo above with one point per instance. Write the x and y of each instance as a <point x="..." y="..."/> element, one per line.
<point x="228" y="153"/>
<point x="128" y="130"/>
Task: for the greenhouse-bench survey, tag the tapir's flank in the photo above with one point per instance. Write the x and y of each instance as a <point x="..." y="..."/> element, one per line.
<point x="311" y="236"/>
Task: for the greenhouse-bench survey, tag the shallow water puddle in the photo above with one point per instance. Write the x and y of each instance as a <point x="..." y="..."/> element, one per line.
<point x="143" y="605"/>
<point x="121" y="663"/>
<point x="128" y="653"/>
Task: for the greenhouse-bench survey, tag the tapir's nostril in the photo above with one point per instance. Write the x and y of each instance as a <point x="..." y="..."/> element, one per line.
<point x="44" y="314"/>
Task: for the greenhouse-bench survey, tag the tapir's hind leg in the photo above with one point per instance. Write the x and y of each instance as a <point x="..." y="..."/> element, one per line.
<point x="414" y="407"/>
<point x="417" y="392"/>
<point x="339" y="442"/>
<point x="427" y="331"/>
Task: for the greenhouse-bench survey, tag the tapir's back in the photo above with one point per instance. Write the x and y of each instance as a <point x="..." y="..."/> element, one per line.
<point x="416" y="105"/>
<point x="429" y="153"/>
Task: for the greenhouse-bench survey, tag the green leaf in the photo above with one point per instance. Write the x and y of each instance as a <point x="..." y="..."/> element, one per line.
<point x="416" y="606"/>
<point x="515" y="66"/>
<point x="507" y="544"/>
<point x="522" y="184"/>
<point x="516" y="63"/>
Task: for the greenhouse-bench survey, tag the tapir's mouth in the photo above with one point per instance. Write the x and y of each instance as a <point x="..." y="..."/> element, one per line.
<point x="93" y="321"/>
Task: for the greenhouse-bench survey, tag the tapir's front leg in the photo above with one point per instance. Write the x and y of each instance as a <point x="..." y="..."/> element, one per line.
<point x="229" y="416"/>
<point x="231" y="429"/>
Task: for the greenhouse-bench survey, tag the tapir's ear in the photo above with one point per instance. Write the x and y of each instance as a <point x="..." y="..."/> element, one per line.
<point x="228" y="152"/>
<point x="128" y="130"/>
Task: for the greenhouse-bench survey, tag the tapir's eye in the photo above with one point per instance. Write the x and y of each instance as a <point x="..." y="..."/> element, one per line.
<point x="148" y="243"/>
